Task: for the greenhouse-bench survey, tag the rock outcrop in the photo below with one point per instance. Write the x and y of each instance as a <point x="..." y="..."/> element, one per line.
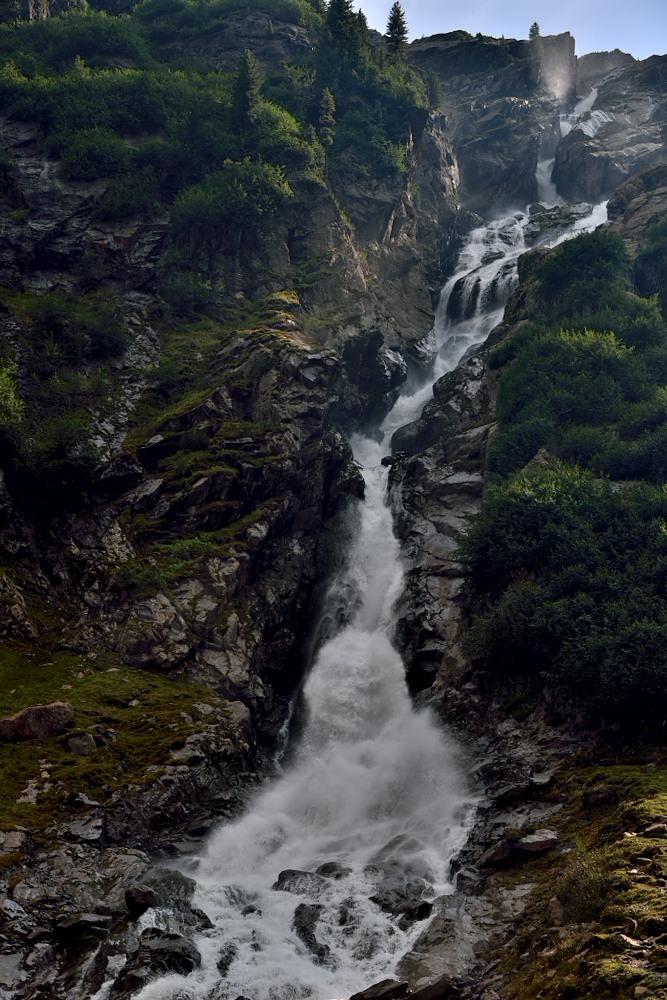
<point x="501" y="99"/>
<point x="622" y="135"/>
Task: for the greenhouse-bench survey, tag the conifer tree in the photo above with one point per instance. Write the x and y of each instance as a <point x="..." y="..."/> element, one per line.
<point x="397" y="30"/>
<point x="327" y="124"/>
<point x="327" y="120"/>
<point x="534" y="30"/>
<point x="340" y="19"/>
<point x="246" y="92"/>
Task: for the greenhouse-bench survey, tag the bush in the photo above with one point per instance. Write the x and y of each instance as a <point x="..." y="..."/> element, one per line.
<point x="94" y="153"/>
<point x="582" y="275"/>
<point x="573" y="574"/>
<point x="11" y="404"/>
<point x="237" y="195"/>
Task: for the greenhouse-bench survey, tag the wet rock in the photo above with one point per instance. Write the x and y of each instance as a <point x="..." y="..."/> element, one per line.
<point x="333" y="869"/>
<point x="445" y="988"/>
<point x="157" y="953"/>
<point x="79" y="931"/>
<point x="226" y="957"/>
<point x="400" y="892"/>
<point x="522" y="849"/>
<point x="305" y="919"/>
<point x="138" y="899"/>
<point x="306" y="883"/>
<point x="386" y="989"/>
<point x="38" y="722"/>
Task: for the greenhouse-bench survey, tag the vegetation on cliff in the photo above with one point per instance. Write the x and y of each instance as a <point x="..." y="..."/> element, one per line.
<point x="568" y="556"/>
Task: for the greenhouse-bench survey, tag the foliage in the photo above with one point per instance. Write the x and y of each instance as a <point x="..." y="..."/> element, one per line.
<point x="575" y="573"/>
<point x="327" y="119"/>
<point x="246" y="88"/>
<point x="568" y="571"/>
<point x="534" y="30"/>
<point x="240" y="191"/>
<point x="590" y="391"/>
<point x="651" y="264"/>
<point x="11" y="404"/>
<point x="581" y="274"/>
<point x="92" y="153"/>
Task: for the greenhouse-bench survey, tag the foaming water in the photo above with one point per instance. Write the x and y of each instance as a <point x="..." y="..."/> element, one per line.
<point x="375" y="800"/>
<point x="375" y="790"/>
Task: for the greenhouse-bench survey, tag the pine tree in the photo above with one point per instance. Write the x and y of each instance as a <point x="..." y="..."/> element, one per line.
<point x="397" y="30"/>
<point x="534" y="30"/>
<point x="246" y="92"/>
<point x="327" y="124"/>
<point x="340" y="19"/>
<point x="327" y="120"/>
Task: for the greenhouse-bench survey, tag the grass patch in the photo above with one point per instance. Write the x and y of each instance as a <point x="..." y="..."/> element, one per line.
<point x="137" y="716"/>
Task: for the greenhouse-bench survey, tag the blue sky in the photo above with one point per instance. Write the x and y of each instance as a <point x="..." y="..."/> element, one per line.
<point x="635" y="26"/>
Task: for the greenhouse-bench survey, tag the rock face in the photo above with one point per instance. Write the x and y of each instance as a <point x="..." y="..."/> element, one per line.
<point x="621" y="136"/>
<point x="501" y="102"/>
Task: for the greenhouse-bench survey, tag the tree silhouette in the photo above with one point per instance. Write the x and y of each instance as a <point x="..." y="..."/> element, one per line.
<point x="534" y="30"/>
<point x="397" y="30"/>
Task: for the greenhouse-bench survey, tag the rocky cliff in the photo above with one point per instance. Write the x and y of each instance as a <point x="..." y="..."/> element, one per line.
<point x="161" y="557"/>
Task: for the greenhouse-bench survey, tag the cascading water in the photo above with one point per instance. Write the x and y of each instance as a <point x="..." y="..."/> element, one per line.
<point x="375" y="803"/>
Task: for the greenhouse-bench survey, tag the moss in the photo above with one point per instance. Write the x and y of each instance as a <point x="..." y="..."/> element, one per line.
<point x="137" y="716"/>
<point x="610" y="882"/>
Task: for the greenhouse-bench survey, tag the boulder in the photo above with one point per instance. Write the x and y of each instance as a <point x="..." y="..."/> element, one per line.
<point x="386" y="989"/>
<point x="508" y="852"/>
<point x="82" y="744"/>
<point x="38" y="722"/>
<point x="292" y="880"/>
<point x="157" y="953"/>
<point x="138" y="899"/>
<point x="306" y="916"/>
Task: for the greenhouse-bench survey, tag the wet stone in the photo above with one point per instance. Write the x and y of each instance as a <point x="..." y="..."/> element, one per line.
<point x="139" y="898"/>
<point x="306" y="883"/>
<point x="333" y="869"/>
<point x="386" y="989"/>
<point x="306" y="916"/>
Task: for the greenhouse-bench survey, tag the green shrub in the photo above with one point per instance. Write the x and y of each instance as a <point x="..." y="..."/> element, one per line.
<point x="93" y="153"/>
<point x="11" y="404"/>
<point x="582" y="275"/>
<point x="573" y="573"/>
<point x="237" y="195"/>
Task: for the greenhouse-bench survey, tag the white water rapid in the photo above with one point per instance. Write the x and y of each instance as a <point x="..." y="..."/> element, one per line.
<point x="375" y="796"/>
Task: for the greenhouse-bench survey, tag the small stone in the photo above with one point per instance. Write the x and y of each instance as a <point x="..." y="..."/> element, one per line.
<point x="656" y="830"/>
<point x="83" y="744"/>
<point x="557" y="911"/>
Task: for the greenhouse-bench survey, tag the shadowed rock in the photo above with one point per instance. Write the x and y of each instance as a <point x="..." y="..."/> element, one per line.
<point x="39" y="722"/>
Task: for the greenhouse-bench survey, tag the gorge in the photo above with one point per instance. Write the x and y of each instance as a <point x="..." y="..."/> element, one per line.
<point x="176" y="506"/>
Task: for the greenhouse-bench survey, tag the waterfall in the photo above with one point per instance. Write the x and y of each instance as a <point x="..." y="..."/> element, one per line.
<point x="303" y="890"/>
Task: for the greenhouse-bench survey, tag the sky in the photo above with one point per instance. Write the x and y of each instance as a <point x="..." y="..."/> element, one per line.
<point x="635" y="26"/>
